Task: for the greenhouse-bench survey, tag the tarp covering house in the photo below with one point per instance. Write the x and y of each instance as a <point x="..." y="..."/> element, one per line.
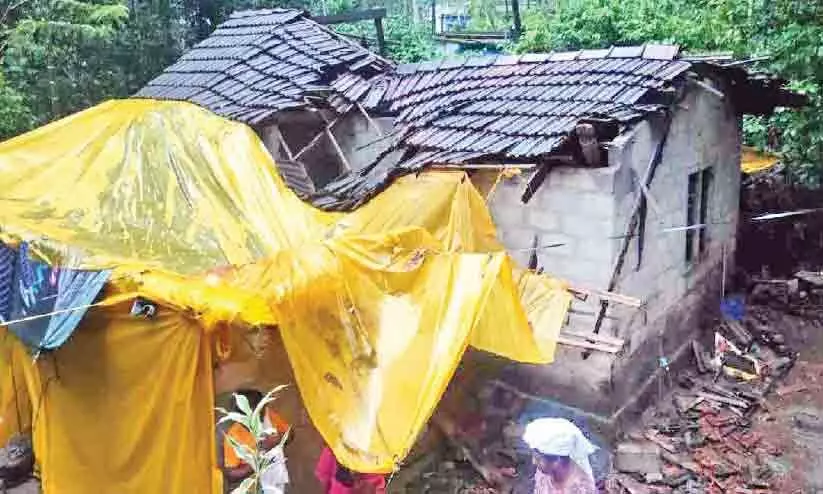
<point x="185" y="210"/>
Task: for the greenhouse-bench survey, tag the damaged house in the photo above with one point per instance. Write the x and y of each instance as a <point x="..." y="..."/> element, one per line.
<point x="616" y="169"/>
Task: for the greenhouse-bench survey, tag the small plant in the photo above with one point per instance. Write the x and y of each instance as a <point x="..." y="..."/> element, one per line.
<point x="261" y="457"/>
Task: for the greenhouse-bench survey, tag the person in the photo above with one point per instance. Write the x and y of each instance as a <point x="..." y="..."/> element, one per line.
<point x="561" y="455"/>
<point x="337" y="479"/>
<point x="235" y="470"/>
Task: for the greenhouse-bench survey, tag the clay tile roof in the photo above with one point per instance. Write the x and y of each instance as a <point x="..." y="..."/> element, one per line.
<point x="526" y="107"/>
<point x="534" y="101"/>
<point x="262" y="61"/>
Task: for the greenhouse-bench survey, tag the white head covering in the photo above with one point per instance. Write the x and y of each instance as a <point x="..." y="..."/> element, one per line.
<point x="559" y="437"/>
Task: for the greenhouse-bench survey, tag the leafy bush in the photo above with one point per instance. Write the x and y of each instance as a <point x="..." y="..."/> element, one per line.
<point x="259" y="459"/>
<point x="790" y="31"/>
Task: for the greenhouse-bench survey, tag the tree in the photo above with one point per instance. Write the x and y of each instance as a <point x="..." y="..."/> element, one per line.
<point x="55" y="55"/>
<point x="789" y="31"/>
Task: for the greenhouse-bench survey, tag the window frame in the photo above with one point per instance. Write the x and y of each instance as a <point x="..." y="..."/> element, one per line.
<point x="698" y="208"/>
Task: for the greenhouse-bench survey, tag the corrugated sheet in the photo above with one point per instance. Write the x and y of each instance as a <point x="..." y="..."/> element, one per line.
<point x="262" y="61"/>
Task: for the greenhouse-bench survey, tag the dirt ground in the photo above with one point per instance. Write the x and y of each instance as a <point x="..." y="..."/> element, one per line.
<point x="793" y="419"/>
<point x="790" y="420"/>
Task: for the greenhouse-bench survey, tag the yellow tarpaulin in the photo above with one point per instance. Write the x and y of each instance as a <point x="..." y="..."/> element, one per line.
<point x="126" y="406"/>
<point x="375" y="306"/>
<point x="753" y="161"/>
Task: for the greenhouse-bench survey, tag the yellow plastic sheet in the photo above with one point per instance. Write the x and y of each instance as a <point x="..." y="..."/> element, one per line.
<point x="15" y="406"/>
<point x="376" y="306"/>
<point x="753" y="161"/>
<point x="125" y="406"/>
<point x="153" y="184"/>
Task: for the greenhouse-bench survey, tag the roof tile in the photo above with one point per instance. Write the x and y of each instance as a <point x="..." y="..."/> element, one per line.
<point x="263" y="61"/>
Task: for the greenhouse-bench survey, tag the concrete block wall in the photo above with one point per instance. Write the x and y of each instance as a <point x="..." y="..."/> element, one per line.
<point x="704" y="134"/>
<point x="583" y="207"/>
<point x="574" y="207"/>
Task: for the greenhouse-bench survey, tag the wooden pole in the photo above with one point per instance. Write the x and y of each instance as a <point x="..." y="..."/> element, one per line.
<point x="634" y="220"/>
<point x="381" y="37"/>
<point x="518" y="27"/>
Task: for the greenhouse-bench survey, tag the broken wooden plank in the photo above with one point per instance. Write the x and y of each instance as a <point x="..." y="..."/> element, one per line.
<point x="587" y="345"/>
<point x="598" y="338"/>
<point x="724" y="400"/>
<point x="605" y="295"/>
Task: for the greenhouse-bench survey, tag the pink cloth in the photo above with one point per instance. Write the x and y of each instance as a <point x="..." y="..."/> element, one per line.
<point x="366" y="483"/>
<point x="578" y="482"/>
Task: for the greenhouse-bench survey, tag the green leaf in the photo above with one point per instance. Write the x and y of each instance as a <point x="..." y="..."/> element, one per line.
<point x="242" y="403"/>
<point x="246" y="454"/>
<point x="246" y="486"/>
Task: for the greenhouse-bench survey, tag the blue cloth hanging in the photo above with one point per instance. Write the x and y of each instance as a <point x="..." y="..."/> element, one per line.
<point x="8" y="258"/>
<point x="39" y="289"/>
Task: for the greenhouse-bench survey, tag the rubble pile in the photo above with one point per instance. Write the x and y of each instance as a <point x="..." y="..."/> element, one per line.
<point x="800" y="295"/>
<point x="703" y="441"/>
<point x="480" y="448"/>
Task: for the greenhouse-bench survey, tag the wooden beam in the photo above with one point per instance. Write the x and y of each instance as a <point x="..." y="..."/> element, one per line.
<point x="369" y="118"/>
<point x="535" y="182"/>
<point x="316" y="138"/>
<point x="597" y="338"/>
<point x="334" y="143"/>
<point x="634" y="219"/>
<point x="587" y="345"/>
<point x="709" y="88"/>
<point x="339" y="150"/>
<point x="649" y="198"/>
<point x="283" y="143"/>
<point x="483" y="166"/>
<point x="609" y="296"/>
<point x="350" y="16"/>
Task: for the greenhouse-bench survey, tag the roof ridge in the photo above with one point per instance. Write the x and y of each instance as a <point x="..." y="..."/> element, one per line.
<point x="648" y="51"/>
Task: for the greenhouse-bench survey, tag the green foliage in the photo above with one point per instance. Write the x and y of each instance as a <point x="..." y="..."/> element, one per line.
<point x="252" y="419"/>
<point x="405" y="41"/>
<point x="14" y="114"/>
<point x="485" y="17"/>
<point x="790" y="31"/>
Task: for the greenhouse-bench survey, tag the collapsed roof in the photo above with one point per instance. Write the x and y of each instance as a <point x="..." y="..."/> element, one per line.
<point x="527" y="108"/>
<point x="524" y="108"/>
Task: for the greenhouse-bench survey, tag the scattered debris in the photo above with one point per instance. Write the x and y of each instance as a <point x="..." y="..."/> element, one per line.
<point x="637" y="457"/>
<point x="704" y="440"/>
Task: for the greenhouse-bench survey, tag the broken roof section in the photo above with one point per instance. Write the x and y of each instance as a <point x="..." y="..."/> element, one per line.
<point x="526" y="108"/>
<point x="523" y="106"/>
<point x="260" y="62"/>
